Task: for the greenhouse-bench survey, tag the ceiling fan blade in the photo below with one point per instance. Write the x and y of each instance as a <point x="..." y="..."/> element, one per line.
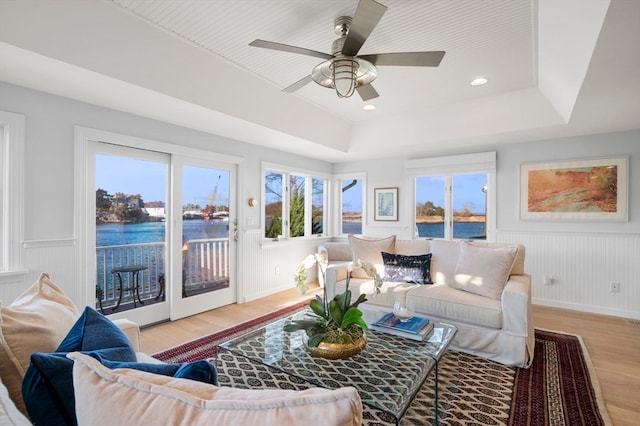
<point x="291" y="49"/>
<point x="367" y="16"/>
<point x="298" y="84"/>
<point x="367" y="92"/>
<point x="407" y="59"/>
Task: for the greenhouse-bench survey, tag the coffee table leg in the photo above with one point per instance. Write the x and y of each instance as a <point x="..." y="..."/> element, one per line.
<point x="436" y="421"/>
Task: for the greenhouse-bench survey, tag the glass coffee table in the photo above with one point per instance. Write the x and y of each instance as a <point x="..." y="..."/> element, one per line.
<point x="387" y="374"/>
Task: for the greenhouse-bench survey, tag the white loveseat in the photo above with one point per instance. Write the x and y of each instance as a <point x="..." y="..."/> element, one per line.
<point x="498" y="327"/>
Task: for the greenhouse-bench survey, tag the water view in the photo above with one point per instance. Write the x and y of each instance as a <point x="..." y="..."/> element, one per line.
<point x="461" y="230"/>
<point x="114" y="234"/>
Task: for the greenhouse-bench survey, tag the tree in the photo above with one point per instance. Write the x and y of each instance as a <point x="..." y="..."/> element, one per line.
<point x="429" y="209"/>
<point x="273" y="204"/>
<point x="103" y="200"/>
<point x="296" y="207"/>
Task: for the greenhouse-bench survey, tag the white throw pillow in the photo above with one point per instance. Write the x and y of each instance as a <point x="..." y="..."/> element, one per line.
<point x="131" y="397"/>
<point x="484" y="270"/>
<point x="36" y="321"/>
<point x="370" y="250"/>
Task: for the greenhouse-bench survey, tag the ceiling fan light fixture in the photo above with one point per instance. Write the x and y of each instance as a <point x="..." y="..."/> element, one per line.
<point x="344" y="74"/>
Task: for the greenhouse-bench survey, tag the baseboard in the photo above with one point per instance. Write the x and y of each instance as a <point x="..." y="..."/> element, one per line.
<point x="601" y="310"/>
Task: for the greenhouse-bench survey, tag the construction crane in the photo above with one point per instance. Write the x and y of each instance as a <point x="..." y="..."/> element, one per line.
<point x="214" y="195"/>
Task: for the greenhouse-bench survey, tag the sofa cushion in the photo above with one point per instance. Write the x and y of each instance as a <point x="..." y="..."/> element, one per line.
<point x="338" y="251"/>
<point x="48" y="384"/>
<point x="518" y="264"/>
<point x="370" y="251"/>
<point x="9" y="413"/>
<point x="37" y="320"/>
<point x="484" y="270"/>
<point x="410" y="269"/>
<point x="201" y="371"/>
<point x="389" y="292"/>
<point x="412" y="247"/>
<point x="443" y="260"/>
<point x="47" y="387"/>
<point x="107" y="397"/>
<point x="444" y="302"/>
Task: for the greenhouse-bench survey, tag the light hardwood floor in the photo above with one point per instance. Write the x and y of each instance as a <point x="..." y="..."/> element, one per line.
<point x="612" y="343"/>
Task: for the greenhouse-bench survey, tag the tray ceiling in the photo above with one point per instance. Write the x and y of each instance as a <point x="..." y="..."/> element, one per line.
<point x="554" y="69"/>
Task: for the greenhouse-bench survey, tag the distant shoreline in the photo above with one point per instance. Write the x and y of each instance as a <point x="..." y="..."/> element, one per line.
<point x="357" y="218"/>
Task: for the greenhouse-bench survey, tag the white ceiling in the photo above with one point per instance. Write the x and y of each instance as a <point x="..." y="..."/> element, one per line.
<point x="555" y="68"/>
<point x="493" y="39"/>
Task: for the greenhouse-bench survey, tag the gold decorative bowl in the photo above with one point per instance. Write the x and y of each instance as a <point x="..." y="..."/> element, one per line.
<point x="339" y="350"/>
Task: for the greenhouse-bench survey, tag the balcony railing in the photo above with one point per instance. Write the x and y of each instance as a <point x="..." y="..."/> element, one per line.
<point x="205" y="266"/>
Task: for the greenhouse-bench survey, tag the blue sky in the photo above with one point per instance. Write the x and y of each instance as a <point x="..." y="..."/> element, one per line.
<point x="147" y="178"/>
<point x="467" y="190"/>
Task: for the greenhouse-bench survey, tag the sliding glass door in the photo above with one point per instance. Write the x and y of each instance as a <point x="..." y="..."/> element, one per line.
<point x="131" y="236"/>
<point x="161" y="230"/>
<point x="205" y="232"/>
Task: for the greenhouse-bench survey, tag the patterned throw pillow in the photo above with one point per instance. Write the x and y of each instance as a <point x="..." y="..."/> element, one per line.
<point x="410" y="269"/>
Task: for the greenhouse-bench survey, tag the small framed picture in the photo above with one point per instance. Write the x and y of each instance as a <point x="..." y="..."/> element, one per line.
<point x="386" y="203"/>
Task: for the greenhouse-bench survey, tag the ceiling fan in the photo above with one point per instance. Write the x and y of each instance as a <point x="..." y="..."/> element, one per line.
<point x="344" y="70"/>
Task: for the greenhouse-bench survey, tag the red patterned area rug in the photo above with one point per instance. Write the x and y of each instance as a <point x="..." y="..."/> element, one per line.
<point x="205" y="347"/>
<point x="558" y="389"/>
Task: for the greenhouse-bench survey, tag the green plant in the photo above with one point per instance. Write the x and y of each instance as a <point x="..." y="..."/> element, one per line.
<point x="337" y="320"/>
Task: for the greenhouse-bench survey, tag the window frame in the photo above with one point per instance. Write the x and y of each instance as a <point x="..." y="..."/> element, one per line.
<point x="309" y="176"/>
<point x="448" y="167"/>
<point x="12" y="127"/>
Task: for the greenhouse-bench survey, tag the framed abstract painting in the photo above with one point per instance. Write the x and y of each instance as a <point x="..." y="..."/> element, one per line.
<point x="592" y="190"/>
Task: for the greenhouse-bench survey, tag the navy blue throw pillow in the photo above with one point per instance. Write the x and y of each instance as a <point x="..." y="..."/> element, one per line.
<point x="200" y="371"/>
<point x="405" y="268"/>
<point x="47" y="387"/>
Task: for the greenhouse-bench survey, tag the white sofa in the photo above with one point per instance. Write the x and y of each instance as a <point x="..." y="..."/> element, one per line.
<point x="41" y="318"/>
<point x="498" y="328"/>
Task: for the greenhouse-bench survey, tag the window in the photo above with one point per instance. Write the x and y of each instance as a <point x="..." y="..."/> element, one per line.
<point x="12" y="128"/>
<point x="318" y="202"/>
<point x="458" y="201"/>
<point x="452" y="196"/>
<point x="296" y="205"/>
<point x="298" y="197"/>
<point x="273" y="204"/>
<point x="352" y="215"/>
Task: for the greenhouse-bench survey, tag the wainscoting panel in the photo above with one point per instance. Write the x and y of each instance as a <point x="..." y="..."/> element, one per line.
<point x="56" y="257"/>
<point x="579" y="270"/>
<point x="267" y="267"/>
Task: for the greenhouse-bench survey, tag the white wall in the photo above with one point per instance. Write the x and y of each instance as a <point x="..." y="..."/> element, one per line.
<point x="583" y="257"/>
<point x="50" y="244"/>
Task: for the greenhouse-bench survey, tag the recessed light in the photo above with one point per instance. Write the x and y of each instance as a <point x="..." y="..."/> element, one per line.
<point x="479" y="81"/>
<point x="369" y="107"/>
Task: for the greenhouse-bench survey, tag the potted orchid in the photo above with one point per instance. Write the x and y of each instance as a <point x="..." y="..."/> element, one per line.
<point x="335" y="328"/>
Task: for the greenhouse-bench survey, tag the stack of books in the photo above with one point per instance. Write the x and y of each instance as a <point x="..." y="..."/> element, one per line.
<point x="417" y="328"/>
